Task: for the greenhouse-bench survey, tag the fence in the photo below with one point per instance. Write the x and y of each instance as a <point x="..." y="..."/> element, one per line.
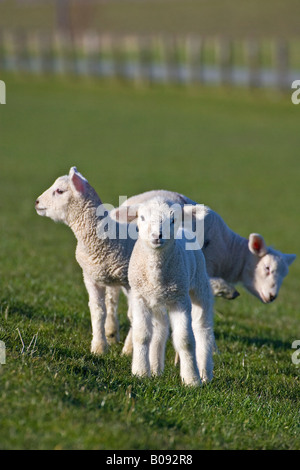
<point x="155" y="59"/>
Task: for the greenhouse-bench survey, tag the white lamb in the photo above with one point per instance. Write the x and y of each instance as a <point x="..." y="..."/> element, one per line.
<point x="231" y="258"/>
<point x="104" y="261"/>
<point x="164" y="275"/>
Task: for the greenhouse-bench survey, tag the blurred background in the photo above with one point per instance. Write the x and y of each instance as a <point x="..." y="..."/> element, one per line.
<point x="192" y="41"/>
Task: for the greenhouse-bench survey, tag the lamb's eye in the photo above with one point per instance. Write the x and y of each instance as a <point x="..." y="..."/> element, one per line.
<point x="142" y="218"/>
<point x="267" y="269"/>
<point x="59" y="191"/>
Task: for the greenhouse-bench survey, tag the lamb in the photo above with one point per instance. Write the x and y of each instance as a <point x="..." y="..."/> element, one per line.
<point x="104" y="261"/>
<point x="164" y="275"/>
<point x="231" y="258"/>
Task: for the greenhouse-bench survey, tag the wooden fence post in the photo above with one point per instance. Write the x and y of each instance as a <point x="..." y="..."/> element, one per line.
<point x="196" y="59"/>
<point x="132" y="66"/>
<point x="253" y="56"/>
<point x="9" y="51"/>
<point x="158" y="64"/>
<point x="34" y="53"/>
<point x="107" y="66"/>
<point x="2" y="52"/>
<point x="282" y="64"/>
<point x="225" y="58"/>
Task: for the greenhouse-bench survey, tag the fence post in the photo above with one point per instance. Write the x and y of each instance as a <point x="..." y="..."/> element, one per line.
<point x="253" y="56"/>
<point x="106" y="67"/>
<point x="199" y="62"/>
<point x="119" y="57"/>
<point x="145" y="59"/>
<point x="196" y="59"/>
<point x="81" y="54"/>
<point x="21" y="50"/>
<point x="92" y="45"/>
<point x="55" y="49"/>
<point x="210" y="69"/>
<point x="34" y="53"/>
<point x="225" y="58"/>
<point x="282" y="64"/>
<point x="9" y="51"/>
<point x="158" y="64"/>
<point x="132" y="66"/>
<point x="183" y="60"/>
<point x="2" y="51"/>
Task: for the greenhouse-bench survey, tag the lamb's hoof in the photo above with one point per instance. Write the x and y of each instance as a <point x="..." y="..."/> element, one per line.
<point x="206" y="378"/>
<point x="230" y="294"/>
<point x="194" y="382"/>
<point x="127" y="350"/>
<point x="99" y="348"/>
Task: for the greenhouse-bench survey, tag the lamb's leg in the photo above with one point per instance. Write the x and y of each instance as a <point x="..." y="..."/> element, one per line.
<point x="160" y="334"/>
<point x="127" y="348"/>
<point x="112" y="294"/>
<point x="141" y="337"/>
<point x="221" y="288"/>
<point x="202" y="323"/>
<point x="98" y="315"/>
<point x="184" y="343"/>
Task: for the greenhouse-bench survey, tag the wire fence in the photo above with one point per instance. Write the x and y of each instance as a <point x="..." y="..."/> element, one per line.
<point x="153" y="59"/>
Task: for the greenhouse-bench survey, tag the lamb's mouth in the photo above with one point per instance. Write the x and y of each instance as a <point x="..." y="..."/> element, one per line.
<point x="41" y="210"/>
<point x="156" y="243"/>
<point x="263" y="298"/>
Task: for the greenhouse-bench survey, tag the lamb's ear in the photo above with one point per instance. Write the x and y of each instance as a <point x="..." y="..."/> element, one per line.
<point x="289" y="258"/>
<point x="78" y="182"/>
<point x="257" y="244"/>
<point x="125" y="214"/>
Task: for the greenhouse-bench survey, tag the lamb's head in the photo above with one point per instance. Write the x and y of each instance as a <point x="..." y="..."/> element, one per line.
<point x="65" y="197"/>
<point x="157" y="223"/>
<point x="265" y="269"/>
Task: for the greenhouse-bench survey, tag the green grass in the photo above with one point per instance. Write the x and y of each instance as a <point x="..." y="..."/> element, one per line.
<point x="235" y="151"/>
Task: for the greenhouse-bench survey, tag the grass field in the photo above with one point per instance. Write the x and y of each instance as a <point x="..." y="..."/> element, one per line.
<point x="235" y="151"/>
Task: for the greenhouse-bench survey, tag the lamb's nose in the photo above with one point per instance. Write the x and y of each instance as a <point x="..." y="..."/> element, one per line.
<point x="272" y="297"/>
<point x="37" y="202"/>
<point x="155" y="235"/>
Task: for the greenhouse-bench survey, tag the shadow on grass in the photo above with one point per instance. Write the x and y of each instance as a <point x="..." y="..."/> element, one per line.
<point x="9" y="307"/>
<point x="259" y="342"/>
<point x="12" y="306"/>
